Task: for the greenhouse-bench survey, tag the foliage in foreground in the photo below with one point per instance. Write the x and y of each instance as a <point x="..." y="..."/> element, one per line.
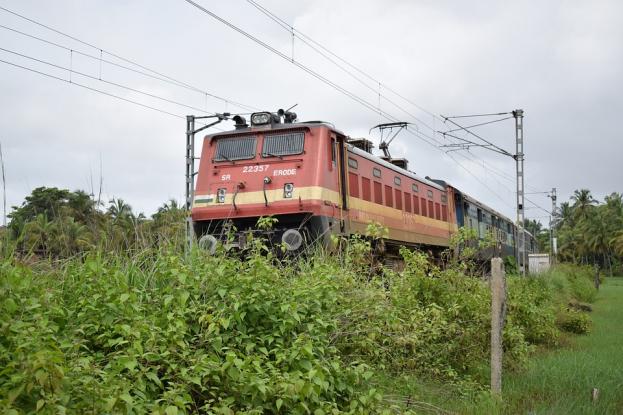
<point x="158" y="332"/>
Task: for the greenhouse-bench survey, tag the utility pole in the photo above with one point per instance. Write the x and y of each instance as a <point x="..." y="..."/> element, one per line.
<point x="465" y="144"/>
<point x="552" y="236"/>
<point x="519" y="158"/>
<point x="190" y="168"/>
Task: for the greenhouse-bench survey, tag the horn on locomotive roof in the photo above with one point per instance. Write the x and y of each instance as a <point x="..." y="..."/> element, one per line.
<point x="391" y="126"/>
<point x="288" y="116"/>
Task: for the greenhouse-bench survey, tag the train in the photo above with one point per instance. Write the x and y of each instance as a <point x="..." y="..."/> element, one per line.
<point x="317" y="182"/>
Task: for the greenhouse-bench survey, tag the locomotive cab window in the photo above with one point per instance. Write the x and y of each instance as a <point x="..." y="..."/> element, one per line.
<point x="276" y="145"/>
<point x="229" y="149"/>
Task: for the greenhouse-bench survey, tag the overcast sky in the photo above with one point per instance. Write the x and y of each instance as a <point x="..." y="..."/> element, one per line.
<point x="561" y="62"/>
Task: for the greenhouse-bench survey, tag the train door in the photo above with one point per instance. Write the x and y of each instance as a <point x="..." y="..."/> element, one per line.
<point x="339" y="157"/>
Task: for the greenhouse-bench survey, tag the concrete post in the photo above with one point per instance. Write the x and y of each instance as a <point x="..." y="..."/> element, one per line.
<point x="498" y="312"/>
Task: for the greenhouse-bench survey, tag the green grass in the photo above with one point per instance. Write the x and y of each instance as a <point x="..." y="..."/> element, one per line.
<point x="561" y="382"/>
<point x="555" y="382"/>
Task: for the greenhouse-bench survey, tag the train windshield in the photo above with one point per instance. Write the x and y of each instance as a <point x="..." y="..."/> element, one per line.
<point x="242" y="148"/>
<point x="283" y="144"/>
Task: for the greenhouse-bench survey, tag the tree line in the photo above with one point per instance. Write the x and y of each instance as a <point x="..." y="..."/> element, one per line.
<point x="589" y="231"/>
<point x="61" y="223"/>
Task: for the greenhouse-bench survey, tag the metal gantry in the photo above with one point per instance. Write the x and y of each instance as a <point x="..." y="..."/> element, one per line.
<point x="552" y="223"/>
<point x="519" y="159"/>
<point x="190" y="167"/>
<point x="465" y="144"/>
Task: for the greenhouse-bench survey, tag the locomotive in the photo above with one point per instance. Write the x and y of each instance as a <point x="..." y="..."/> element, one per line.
<point x="317" y="182"/>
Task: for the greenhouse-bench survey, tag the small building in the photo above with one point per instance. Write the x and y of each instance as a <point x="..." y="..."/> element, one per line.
<point x="538" y="263"/>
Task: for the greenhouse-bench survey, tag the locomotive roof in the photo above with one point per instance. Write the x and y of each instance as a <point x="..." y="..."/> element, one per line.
<point x="273" y="127"/>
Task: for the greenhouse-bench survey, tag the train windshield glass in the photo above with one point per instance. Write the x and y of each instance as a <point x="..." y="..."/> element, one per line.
<point x="283" y="144"/>
<point x="228" y="149"/>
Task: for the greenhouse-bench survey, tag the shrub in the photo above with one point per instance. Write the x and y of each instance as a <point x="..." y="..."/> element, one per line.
<point x="574" y="321"/>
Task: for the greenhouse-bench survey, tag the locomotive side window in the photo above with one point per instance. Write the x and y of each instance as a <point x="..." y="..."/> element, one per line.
<point x="352" y="163"/>
<point x="398" y="199"/>
<point x="414" y="188"/>
<point x="430" y="194"/>
<point x="376" y="172"/>
<point x="388" y="196"/>
<point x="353" y="184"/>
<point x="408" y="202"/>
<point x="365" y="189"/>
<point x="416" y="205"/>
<point x="397" y="181"/>
<point x="229" y="149"/>
<point x="378" y="193"/>
<point x="444" y="198"/>
<point x="283" y="144"/>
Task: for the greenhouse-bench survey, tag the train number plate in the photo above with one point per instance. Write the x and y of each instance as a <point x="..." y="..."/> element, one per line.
<point x="255" y="169"/>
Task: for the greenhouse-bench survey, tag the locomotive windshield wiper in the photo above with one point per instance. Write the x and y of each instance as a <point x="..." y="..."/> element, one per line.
<point x="274" y="155"/>
<point x="225" y="157"/>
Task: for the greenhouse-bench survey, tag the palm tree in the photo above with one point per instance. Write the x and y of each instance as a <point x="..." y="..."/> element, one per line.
<point x="583" y="202"/>
<point x="36" y="234"/>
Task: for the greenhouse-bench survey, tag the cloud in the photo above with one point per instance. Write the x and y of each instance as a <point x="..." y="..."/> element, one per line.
<point x="559" y="61"/>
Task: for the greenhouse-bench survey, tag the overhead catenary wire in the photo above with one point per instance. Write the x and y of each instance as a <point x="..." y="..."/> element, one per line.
<point x="307" y="40"/>
<point x="146" y="70"/>
<point x="96" y="90"/>
<point x="73" y="71"/>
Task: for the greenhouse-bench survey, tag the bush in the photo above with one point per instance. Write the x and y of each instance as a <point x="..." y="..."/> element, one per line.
<point x="574" y="321"/>
<point x="162" y="333"/>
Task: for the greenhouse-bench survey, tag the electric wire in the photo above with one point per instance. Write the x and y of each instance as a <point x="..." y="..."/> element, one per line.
<point x="304" y="37"/>
<point x="90" y="88"/>
<point x="99" y="91"/>
<point x="157" y="74"/>
<point x="73" y="71"/>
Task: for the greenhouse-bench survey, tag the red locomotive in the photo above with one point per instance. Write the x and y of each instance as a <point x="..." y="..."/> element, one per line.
<point x="316" y="181"/>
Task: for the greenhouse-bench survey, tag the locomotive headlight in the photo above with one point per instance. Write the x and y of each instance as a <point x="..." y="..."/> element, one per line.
<point x="260" y="118"/>
<point x="220" y="195"/>
<point x="288" y="189"/>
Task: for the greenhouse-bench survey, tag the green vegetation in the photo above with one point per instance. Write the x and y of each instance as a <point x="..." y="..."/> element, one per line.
<point x="126" y="323"/>
<point x="591" y="233"/>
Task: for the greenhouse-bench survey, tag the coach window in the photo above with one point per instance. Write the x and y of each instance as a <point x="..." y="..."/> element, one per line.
<point x="376" y="172"/>
<point x="414" y="188"/>
<point x="352" y="163"/>
<point x="430" y="194"/>
<point x="397" y="181"/>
